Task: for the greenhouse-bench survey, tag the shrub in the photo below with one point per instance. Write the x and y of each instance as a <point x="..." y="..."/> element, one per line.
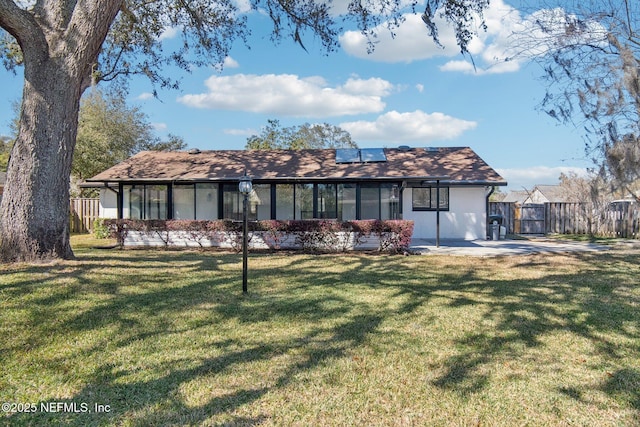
<point x="100" y="230"/>
<point x="310" y="235"/>
<point x="274" y="231"/>
<point x="395" y="235"/>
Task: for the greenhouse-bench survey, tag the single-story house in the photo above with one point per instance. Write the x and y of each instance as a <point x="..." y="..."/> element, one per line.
<point x="540" y="194"/>
<point x="427" y="185"/>
<point x="516" y="196"/>
<point x="548" y="194"/>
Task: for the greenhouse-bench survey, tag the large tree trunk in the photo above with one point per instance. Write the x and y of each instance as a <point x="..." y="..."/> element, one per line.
<point x="34" y="221"/>
<point x="60" y="41"/>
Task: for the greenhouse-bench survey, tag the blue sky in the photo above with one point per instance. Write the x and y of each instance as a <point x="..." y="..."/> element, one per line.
<point x="408" y="92"/>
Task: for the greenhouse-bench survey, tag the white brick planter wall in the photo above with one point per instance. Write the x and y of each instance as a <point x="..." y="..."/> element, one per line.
<point x="257" y="240"/>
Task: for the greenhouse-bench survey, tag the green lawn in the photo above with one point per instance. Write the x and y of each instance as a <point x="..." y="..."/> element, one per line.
<point x="166" y="338"/>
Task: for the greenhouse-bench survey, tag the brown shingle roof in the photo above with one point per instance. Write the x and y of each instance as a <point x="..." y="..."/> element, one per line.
<point x="459" y="164"/>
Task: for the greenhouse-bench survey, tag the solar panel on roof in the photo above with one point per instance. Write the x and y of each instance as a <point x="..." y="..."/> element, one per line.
<point x="360" y="155"/>
<point x="368" y="155"/>
<point x="347" y="155"/>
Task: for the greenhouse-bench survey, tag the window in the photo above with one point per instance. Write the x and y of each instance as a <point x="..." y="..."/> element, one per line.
<point x="155" y="201"/>
<point x="195" y="201"/>
<point x="260" y="202"/>
<point x="231" y="202"/>
<point x="132" y="201"/>
<point x="327" y="203"/>
<point x="347" y="202"/>
<point x="183" y="202"/>
<point x="388" y="201"/>
<point x="426" y="198"/>
<point x="304" y="201"/>
<point x="370" y="201"/>
<point x="379" y="201"/>
<point x="284" y="201"/>
<point x="206" y="202"/>
<point x="144" y="201"/>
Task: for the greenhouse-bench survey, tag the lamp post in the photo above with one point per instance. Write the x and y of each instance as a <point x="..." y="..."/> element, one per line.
<point x="245" y="188"/>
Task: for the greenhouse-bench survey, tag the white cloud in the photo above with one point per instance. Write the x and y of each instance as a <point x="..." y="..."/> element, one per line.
<point x="410" y="43"/>
<point x="240" y="132"/>
<point x="537" y="175"/>
<point x="510" y="40"/>
<point x="341" y="7"/>
<point x="412" y="126"/>
<point x="145" y="96"/>
<point x="169" y="33"/>
<point x="159" y="126"/>
<point x="373" y="86"/>
<point x="229" y="62"/>
<point x="458" y="66"/>
<point x="467" y="67"/>
<point x="420" y="88"/>
<point x="244" y="6"/>
<point x="290" y="95"/>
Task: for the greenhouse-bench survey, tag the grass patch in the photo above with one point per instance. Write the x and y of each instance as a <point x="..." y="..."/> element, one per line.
<point x="585" y="238"/>
<point x="167" y="338"/>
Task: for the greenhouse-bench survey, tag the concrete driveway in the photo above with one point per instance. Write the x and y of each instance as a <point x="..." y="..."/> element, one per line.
<point x="489" y="248"/>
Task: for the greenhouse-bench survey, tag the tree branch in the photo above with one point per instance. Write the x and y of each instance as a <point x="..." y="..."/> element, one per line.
<point x="21" y="24"/>
<point x="90" y="22"/>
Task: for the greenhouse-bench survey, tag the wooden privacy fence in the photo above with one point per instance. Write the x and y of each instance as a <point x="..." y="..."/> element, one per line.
<point x="82" y="214"/>
<point x="531" y="219"/>
<point x="621" y="221"/>
<point x="569" y="218"/>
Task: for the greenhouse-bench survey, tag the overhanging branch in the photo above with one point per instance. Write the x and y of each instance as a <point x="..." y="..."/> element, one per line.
<point x="22" y="25"/>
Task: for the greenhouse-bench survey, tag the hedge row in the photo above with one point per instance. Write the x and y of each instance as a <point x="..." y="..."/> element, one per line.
<point x="393" y="235"/>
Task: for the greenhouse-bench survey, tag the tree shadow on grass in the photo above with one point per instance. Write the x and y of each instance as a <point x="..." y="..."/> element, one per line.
<point x="597" y="303"/>
<point x="41" y="293"/>
<point x="624" y="386"/>
<point x="145" y="319"/>
<point x="589" y="304"/>
<point x="159" y="401"/>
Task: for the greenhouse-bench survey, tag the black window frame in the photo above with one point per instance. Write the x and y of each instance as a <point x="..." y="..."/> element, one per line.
<point x="230" y="187"/>
<point x="432" y="199"/>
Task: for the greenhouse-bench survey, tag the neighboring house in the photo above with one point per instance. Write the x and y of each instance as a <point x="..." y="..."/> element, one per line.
<point x="517" y="197"/>
<point x="540" y="194"/>
<point x="547" y="194"/>
<point x="416" y="184"/>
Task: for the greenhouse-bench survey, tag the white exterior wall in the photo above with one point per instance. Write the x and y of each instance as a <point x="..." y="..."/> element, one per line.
<point x="465" y="219"/>
<point x="108" y="204"/>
